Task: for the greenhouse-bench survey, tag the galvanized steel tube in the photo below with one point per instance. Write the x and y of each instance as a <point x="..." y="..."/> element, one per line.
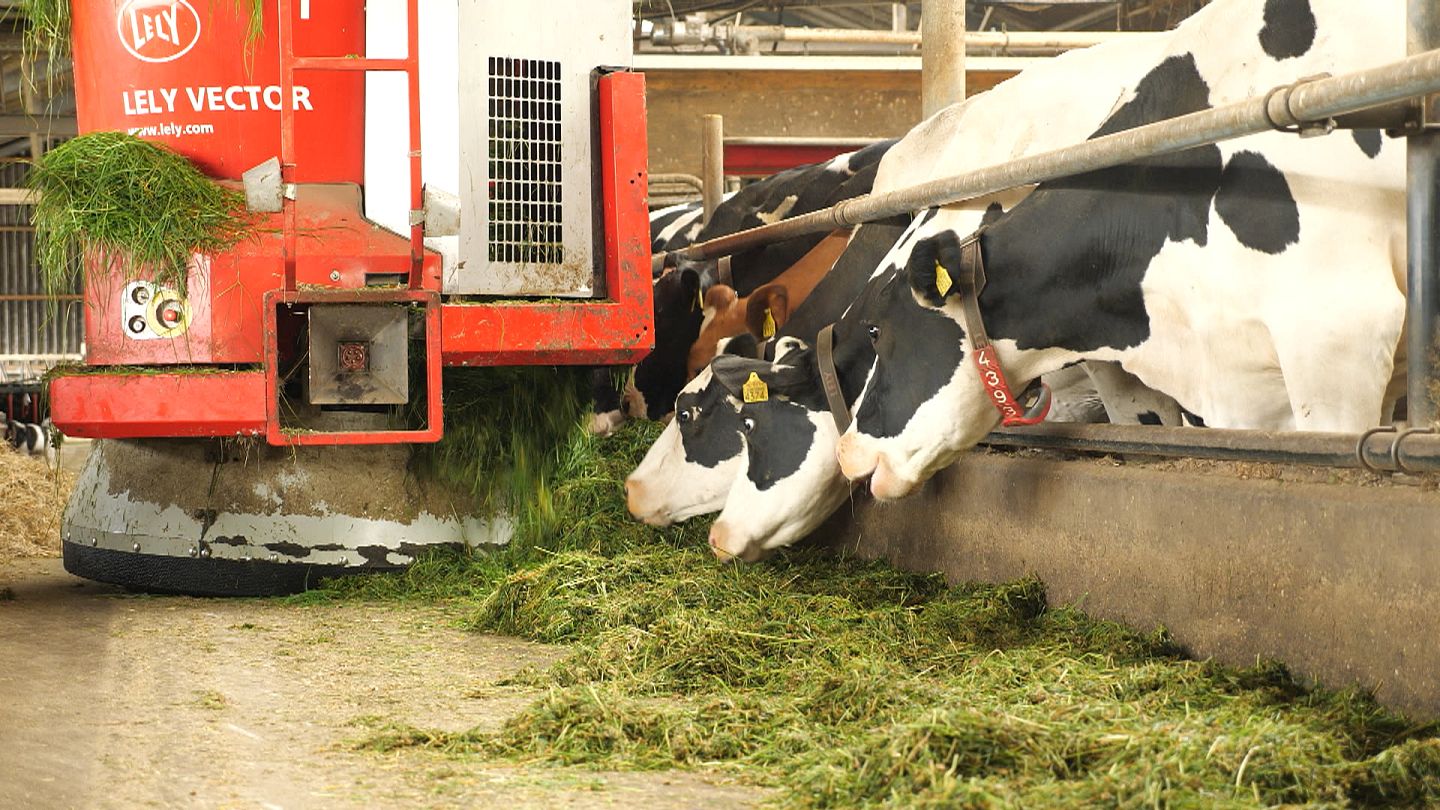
<point x="712" y="162"/>
<point x="1317" y="100"/>
<point x="1423" y="298"/>
<point x="1389" y="450"/>
<point x="942" y="54"/>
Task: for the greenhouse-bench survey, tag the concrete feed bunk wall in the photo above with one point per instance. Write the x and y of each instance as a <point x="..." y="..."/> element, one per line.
<point x="1329" y="573"/>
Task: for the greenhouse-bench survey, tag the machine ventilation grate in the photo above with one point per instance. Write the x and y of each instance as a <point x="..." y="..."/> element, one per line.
<point x="525" y="223"/>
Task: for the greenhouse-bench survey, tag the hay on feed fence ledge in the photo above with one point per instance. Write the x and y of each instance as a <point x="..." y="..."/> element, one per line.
<point x="851" y="684"/>
<point x="134" y="204"/>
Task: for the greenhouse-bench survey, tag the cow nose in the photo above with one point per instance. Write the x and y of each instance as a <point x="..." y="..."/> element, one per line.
<point x="854" y="462"/>
<point x="718" y="534"/>
<point x="885" y="485"/>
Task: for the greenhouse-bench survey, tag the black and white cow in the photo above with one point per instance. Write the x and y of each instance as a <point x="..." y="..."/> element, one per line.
<point x="1260" y="282"/>
<point x="1071" y="93"/>
<point x="659" y="377"/>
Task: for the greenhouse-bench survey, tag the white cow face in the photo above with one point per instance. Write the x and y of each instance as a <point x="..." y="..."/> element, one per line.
<point x="692" y="465"/>
<point x="689" y="469"/>
<point x="789" y="481"/>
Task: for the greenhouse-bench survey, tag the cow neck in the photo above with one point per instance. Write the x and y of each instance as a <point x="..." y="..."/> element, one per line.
<point x="969" y="282"/>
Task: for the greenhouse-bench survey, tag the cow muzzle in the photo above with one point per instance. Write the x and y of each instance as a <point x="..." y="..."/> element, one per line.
<point x="855" y="459"/>
<point x="636" y="501"/>
<point x="729" y="547"/>
<point x="886" y="485"/>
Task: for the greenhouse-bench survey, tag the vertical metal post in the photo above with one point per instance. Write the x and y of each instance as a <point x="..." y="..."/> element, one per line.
<point x="712" y="161"/>
<point x="942" y="54"/>
<point x="1423" y="298"/>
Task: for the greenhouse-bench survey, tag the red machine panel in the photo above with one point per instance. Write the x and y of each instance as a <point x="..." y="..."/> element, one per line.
<point x="185" y="73"/>
<point x="221" y="319"/>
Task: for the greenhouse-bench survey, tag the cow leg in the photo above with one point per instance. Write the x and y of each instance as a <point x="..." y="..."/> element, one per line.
<point x="1129" y="401"/>
<point x="606" y="397"/>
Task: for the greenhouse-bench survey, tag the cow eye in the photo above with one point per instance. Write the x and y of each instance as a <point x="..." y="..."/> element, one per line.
<point x="749" y="423"/>
<point x="683" y="417"/>
<point x="873" y="330"/>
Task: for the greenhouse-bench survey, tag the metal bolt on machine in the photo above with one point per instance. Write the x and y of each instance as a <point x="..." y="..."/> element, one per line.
<point x="501" y="153"/>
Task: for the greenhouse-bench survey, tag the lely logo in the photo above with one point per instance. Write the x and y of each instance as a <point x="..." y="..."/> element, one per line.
<point x="158" y="30"/>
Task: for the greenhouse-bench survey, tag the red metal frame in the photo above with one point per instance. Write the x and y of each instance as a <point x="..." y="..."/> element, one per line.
<point x="276" y="434"/>
<point x="619" y="330"/>
<point x="129" y="406"/>
<point x="410" y="65"/>
<point x="764" y="159"/>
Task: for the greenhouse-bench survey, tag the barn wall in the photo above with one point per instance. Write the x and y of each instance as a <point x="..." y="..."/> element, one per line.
<point x="790" y="103"/>
<point x="1337" y="580"/>
<point x="29" y="326"/>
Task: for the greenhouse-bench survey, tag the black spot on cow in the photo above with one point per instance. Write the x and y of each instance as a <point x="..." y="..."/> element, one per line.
<point x="1191" y="419"/>
<point x="1066" y="263"/>
<point x="1370" y="141"/>
<point x="660" y="223"/>
<point x="604" y="389"/>
<point x="845" y="281"/>
<point x="1149" y="418"/>
<point x="708" y="422"/>
<point x="1289" y="28"/>
<point x="992" y="213"/>
<point x="1254" y="200"/>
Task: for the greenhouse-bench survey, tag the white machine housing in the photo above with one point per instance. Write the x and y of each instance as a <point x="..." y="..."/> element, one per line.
<point x="508" y="127"/>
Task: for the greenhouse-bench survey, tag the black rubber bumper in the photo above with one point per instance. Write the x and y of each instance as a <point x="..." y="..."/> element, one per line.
<point x="193" y="576"/>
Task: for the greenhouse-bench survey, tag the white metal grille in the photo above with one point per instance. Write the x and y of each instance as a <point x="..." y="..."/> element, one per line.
<point x="525" y="224"/>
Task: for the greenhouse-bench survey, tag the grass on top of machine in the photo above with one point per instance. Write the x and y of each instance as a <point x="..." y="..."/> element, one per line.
<point x="135" y="205"/>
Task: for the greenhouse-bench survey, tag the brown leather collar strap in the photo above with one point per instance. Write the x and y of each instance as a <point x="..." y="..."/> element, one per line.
<point x="722" y="271"/>
<point x="969" y="282"/>
<point x="829" y="380"/>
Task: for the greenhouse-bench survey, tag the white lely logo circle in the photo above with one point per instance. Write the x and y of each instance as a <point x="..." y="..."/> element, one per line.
<point x="158" y="30"/>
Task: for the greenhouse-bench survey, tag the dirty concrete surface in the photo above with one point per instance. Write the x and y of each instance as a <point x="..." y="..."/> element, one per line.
<point x="110" y="699"/>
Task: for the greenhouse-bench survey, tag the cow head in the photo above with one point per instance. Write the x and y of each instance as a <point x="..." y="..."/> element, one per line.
<point x="787" y="482"/>
<point x="924" y="403"/>
<point x="659" y="376"/>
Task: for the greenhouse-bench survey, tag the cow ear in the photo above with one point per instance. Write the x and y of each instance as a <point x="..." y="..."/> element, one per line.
<point x="767" y="310"/>
<point x="933" y="264"/>
<point x="719" y="297"/>
<point x="742" y="345"/>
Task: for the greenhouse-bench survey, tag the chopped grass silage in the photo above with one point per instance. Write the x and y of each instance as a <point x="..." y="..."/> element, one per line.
<point x="851" y="684"/>
<point x="135" y="205"/>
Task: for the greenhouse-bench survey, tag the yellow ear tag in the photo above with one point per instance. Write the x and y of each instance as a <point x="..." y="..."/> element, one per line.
<point x="768" y="330"/>
<point x="942" y="279"/>
<point x="755" y="389"/>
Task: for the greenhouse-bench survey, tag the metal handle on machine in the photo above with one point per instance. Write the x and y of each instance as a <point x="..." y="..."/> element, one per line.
<point x="410" y="66"/>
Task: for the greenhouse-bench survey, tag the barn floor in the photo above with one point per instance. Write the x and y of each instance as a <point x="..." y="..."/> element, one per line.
<point x="109" y="699"/>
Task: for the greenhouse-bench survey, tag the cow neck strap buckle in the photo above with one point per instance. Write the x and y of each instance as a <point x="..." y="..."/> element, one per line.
<point x="829" y="379"/>
<point x="970" y="281"/>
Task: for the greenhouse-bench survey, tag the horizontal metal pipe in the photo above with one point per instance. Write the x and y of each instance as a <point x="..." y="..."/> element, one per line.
<point x="676" y="179"/>
<point x="1003" y="40"/>
<point x="1416" y="452"/>
<point x="1289" y="106"/>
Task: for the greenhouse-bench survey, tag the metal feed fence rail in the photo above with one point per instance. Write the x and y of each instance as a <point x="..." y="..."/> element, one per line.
<point x="1380" y="97"/>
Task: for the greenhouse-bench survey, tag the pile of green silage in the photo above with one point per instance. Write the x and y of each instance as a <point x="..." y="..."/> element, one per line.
<point x="851" y="684"/>
<point x="134" y="204"/>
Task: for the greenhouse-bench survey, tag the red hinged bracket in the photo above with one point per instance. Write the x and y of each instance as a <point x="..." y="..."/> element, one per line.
<point x="614" y="331"/>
